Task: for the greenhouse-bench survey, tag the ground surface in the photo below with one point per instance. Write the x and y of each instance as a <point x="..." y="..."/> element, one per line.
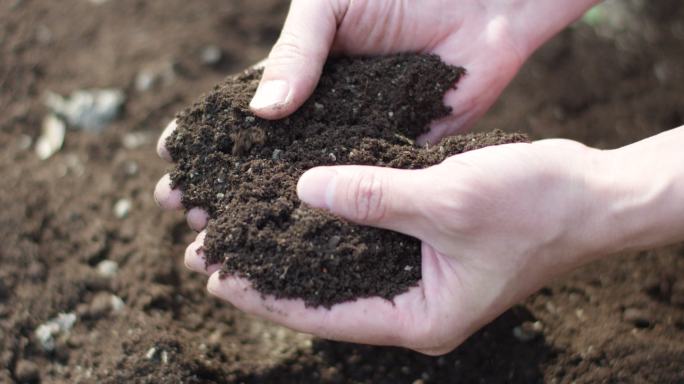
<point x="621" y="320"/>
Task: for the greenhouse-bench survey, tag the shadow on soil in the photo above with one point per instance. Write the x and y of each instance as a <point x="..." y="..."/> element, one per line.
<point x="507" y="360"/>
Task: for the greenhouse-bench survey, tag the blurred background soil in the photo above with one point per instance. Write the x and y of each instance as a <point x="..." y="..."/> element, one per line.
<point x="92" y="285"/>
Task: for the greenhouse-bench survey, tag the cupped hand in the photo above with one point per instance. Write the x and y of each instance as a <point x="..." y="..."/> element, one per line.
<point x="496" y="224"/>
<point x="490" y="39"/>
<point x="465" y="33"/>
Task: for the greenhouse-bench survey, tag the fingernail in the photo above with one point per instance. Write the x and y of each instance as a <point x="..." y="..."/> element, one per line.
<point x="316" y="187"/>
<point x="270" y="94"/>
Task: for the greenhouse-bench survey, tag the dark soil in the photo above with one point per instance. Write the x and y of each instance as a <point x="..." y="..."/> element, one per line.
<point x="617" y="321"/>
<point x="244" y="171"/>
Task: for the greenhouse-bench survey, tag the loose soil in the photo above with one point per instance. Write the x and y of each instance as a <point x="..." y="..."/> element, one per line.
<point x="617" y="321"/>
<point x="243" y="170"/>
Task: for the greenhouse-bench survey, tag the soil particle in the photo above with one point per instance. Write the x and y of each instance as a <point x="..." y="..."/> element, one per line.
<point x="27" y="372"/>
<point x="259" y="229"/>
<point x="638" y="317"/>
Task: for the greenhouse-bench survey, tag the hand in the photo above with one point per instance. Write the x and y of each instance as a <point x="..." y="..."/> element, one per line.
<point x="496" y="224"/>
<point x="472" y="262"/>
<point x="491" y="39"/>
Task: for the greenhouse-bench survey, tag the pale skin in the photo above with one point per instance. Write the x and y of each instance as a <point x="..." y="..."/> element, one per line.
<point x="495" y="224"/>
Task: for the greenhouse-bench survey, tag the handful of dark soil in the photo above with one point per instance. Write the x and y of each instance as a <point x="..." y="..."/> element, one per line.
<point x="243" y="170"/>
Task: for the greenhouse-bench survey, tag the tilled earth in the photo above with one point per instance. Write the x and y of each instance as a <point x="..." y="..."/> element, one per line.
<point x="620" y="320"/>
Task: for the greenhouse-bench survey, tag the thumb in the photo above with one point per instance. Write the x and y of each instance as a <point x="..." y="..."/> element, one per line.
<point x="294" y="65"/>
<point x="382" y="197"/>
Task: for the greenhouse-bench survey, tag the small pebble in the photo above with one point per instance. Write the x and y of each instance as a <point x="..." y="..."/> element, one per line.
<point x="117" y="303"/>
<point x="51" y="138"/>
<point x="133" y="140"/>
<point x="43" y="35"/>
<point x="331" y="375"/>
<point x="334" y="241"/>
<point x="122" y="208"/>
<point x="151" y="353"/>
<point x="90" y="110"/>
<point x="107" y="268"/>
<point x="100" y="306"/>
<point x="528" y="331"/>
<point x="161" y="73"/>
<point x="27" y="372"/>
<point x="211" y="55"/>
<point x="638" y="317"/>
<point x="24" y="142"/>
<point x="277" y="154"/>
<point x="46" y="332"/>
<point x="145" y="80"/>
<point x="131" y="168"/>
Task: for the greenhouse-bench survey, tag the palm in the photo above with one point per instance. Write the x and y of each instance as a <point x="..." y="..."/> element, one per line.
<point x="472" y="269"/>
<point x="416" y="318"/>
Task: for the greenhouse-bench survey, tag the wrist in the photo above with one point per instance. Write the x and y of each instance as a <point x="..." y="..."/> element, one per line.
<point x="641" y="189"/>
<point x="589" y="195"/>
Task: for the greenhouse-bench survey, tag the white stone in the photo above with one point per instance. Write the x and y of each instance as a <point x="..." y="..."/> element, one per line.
<point x="51" y="138"/>
<point x="90" y="110"/>
<point x="107" y="268"/>
<point x="211" y="55"/>
<point x="155" y="74"/>
<point x="46" y="332"/>
<point x="150" y="353"/>
<point x="117" y="303"/>
<point x="66" y="321"/>
<point x="145" y="80"/>
<point x="135" y="140"/>
<point x="122" y="208"/>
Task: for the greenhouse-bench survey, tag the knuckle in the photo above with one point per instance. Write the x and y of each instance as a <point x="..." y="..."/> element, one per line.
<point x="289" y="49"/>
<point x="368" y="197"/>
<point x="286" y="50"/>
<point x="457" y="205"/>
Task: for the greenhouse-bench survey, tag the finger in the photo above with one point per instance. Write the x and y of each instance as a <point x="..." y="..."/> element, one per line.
<point x="197" y="218"/>
<point x="296" y="60"/>
<point x="361" y="321"/>
<point x="161" y="143"/>
<point x="195" y="259"/>
<point x="165" y="196"/>
<point x="382" y="197"/>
